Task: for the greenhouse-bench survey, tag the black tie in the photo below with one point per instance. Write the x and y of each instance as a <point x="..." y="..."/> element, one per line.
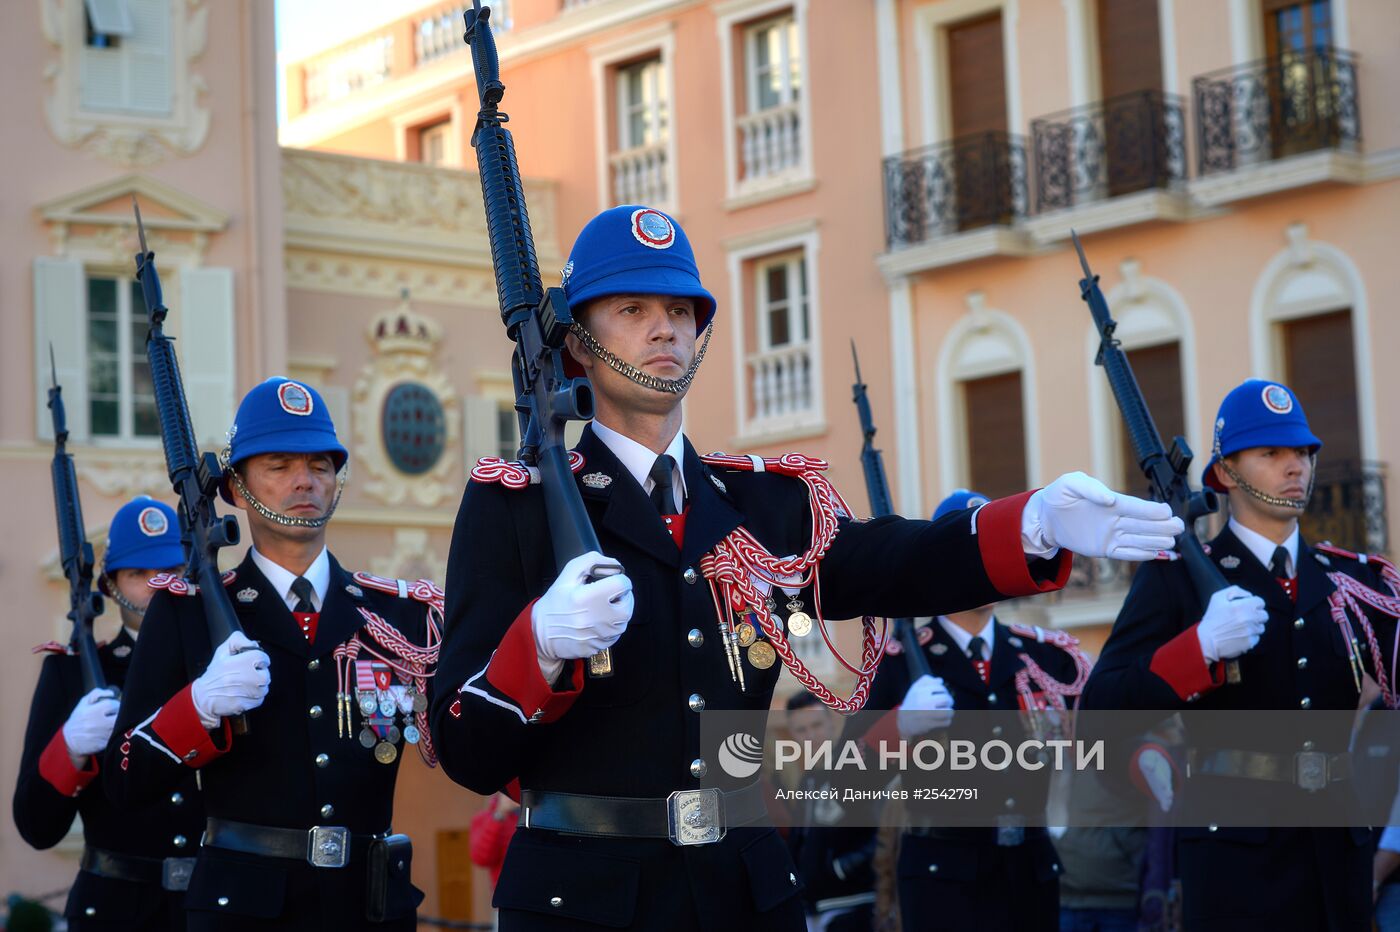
<point x="661" y="495"/>
<point x="974" y="648"/>
<point x="1279" y="564"/>
<point x="303" y="590"/>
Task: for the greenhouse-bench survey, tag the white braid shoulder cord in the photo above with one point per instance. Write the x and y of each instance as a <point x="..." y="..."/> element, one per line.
<point x="739" y="558"/>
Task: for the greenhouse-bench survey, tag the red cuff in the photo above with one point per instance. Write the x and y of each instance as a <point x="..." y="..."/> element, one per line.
<point x="178" y="725"/>
<point x="1135" y="772"/>
<point x="1181" y="664"/>
<point x="515" y="671"/>
<point x="1004" y="559"/>
<point x="884" y="733"/>
<point x="56" y="766"/>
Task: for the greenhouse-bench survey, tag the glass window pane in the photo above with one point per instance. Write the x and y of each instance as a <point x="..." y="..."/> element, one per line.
<point x="103" y="378"/>
<point x="633" y="77"/>
<point x="102" y="336"/>
<point x="636" y="129"/>
<point x="777" y="283"/>
<point x="778" y="334"/>
<point x="102" y="415"/>
<point x="763" y="47"/>
<point x="102" y="297"/>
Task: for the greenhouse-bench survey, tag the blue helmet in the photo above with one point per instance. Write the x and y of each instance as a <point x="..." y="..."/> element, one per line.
<point x="281" y="416"/>
<point x="635" y="250"/>
<point x="1258" y="413"/>
<point x="960" y="500"/>
<point x="144" y="535"/>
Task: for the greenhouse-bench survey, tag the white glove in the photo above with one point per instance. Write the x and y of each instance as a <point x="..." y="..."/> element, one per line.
<point x="90" y="723"/>
<point x="235" y="681"/>
<point x="577" y="618"/>
<point x="926" y="706"/>
<point x="1157" y="772"/>
<point x="1233" y="624"/>
<point x="1081" y="514"/>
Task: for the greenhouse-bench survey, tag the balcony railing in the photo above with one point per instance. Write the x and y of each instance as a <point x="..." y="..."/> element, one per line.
<point x="782" y="384"/>
<point x="770" y="141"/>
<point x="440" y="34"/>
<point x="1348" y="507"/>
<point x="354" y="69"/>
<point x="1300" y="101"/>
<point x="639" y="175"/>
<point x="1117" y="146"/>
<point x="971" y="182"/>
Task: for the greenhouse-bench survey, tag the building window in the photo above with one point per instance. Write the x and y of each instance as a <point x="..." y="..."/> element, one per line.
<point x="507" y="431"/>
<point x="639" y="166"/>
<point x="126" y="60"/>
<point x="996" y="434"/>
<point x="121" y="397"/>
<point x="770" y="132"/>
<point x="781" y="371"/>
<point x="432" y="143"/>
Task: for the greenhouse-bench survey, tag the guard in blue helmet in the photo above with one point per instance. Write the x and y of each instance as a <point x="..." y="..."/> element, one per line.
<point x="973" y="660"/>
<point x="136" y="859"/>
<point x="330" y="669"/>
<point x="582" y="681"/>
<point x="1306" y="622"/>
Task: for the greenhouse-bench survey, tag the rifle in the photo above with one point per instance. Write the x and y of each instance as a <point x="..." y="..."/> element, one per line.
<point x="84" y="604"/>
<point x="881" y="505"/>
<point x="536" y="318"/>
<point x="1165" y="469"/>
<point x="195" y="479"/>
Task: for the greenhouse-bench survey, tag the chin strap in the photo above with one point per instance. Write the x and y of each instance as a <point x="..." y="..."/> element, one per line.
<point x="290" y="520"/>
<point x="115" y="595"/>
<point x="646" y="380"/>
<point x="1274" y="499"/>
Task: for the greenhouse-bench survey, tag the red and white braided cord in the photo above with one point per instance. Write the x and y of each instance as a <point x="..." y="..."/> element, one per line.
<point x="413" y="663"/>
<point x="514" y="474"/>
<point x="1351" y="594"/>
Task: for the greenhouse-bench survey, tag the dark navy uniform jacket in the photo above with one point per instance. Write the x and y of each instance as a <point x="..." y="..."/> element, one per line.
<point x="1316" y="878"/>
<point x="291" y="770"/>
<point x="50" y="792"/>
<point x="635" y="733"/>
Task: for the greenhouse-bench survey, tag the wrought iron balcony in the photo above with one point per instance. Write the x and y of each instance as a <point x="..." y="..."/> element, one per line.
<point x="1300" y="101"/>
<point x="1348" y="507"/>
<point x="1117" y="146"/>
<point x="966" y="183"/>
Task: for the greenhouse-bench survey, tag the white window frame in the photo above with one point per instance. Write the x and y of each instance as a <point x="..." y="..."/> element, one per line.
<point x="656" y="115"/>
<point x="123" y="58"/>
<point x="440" y="131"/>
<point x="606" y="60"/>
<point x="798" y="282"/>
<point x="931" y="22"/>
<point x="982" y="343"/>
<point x="785" y="20"/>
<point x="805" y="239"/>
<point x="731" y="16"/>
<point x="126" y="355"/>
<point x="409" y="122"/>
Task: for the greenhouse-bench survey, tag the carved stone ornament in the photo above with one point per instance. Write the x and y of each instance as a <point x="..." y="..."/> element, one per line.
<point x="412" y="557"/>
<point x="126" y="138"/>
<point x="404" y="343"/>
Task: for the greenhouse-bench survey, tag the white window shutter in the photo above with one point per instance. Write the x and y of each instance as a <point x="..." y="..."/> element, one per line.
<point x="60" y="321"/>
<point x="109" y="17"/>
<point x="481" y="430"/>
<point x="102" y="76"/>
<point x="207" y="363"/>
<point x="148" y="57"/>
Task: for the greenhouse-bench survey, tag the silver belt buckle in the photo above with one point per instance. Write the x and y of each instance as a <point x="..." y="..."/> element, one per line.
<point x="1310" y="770"/>
<point x="175" y="873"/>
<point x="695" y="817"/>
<point x="328" y="846"/>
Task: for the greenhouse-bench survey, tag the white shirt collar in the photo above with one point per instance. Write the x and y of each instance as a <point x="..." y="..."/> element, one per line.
<point x="318" y="574"/>
<point x="638" y="460"/>
<point x="962" y="638"/>
<point x="1263" y="548"/>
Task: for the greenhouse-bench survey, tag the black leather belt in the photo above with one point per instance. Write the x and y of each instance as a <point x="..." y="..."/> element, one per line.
<point x="1308" y="770"/>
<point x="686" y="817"/>
<point x="319" y="846"/>
<point x="170" y="873"/>
<point x="1010" y="835"/>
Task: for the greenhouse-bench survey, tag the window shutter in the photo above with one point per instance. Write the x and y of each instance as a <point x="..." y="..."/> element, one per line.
<point x="207" y="363"/>
<point x="102" y="74"/>
<point x="109" y="17"/>
<point x="60" y="321"/>
<point x="148" y="57"/>
<point x="481" y="430"/>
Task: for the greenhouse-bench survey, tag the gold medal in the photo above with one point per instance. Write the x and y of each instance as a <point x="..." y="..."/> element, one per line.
<point x="747" y="634"/>
<point x="762" y="655"/>
<point x="420" y="701"/>
<point x="385" y="753"/>
<point x="800" y="624"/>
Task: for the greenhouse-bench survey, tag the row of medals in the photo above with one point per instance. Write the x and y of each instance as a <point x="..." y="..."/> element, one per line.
<point x="744" y="636"/>
<point x="378" y="710"/>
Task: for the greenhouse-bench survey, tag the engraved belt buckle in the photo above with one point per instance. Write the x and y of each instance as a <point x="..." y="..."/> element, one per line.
<point x="695" y="817"/>
<point x="1310" y="770"/>
<point x="328" y="846"/>
<point x="175" y="873"/>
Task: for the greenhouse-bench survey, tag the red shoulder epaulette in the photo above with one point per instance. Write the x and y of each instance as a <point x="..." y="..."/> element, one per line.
<point x="53" y="647"/>
<point x="807" y="468"/>
<point x="176" y="584"/>
<point x="514" y="474"/>
<point x="1332" y="549"/>
<point x="421" y="590"/>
